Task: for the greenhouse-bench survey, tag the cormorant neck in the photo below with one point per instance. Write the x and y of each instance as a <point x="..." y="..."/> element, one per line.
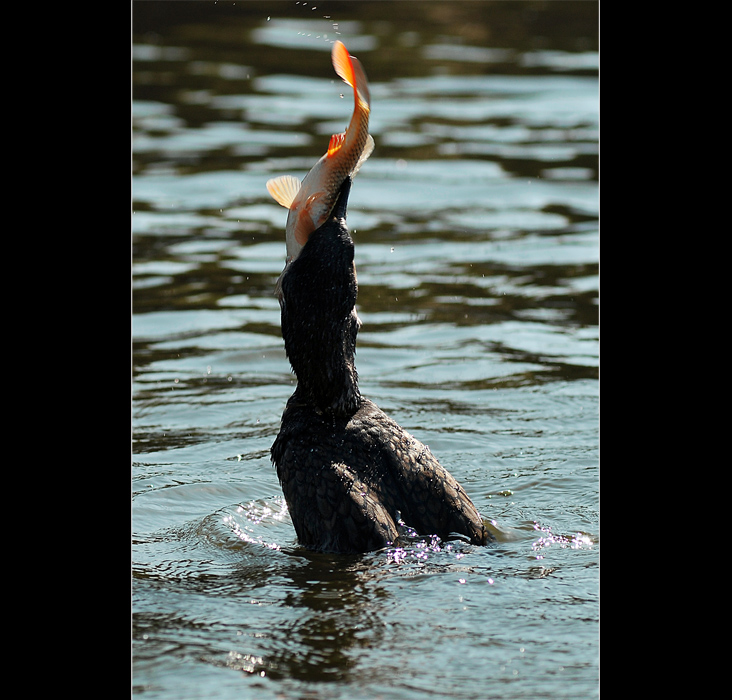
<point x="319" y="321"/>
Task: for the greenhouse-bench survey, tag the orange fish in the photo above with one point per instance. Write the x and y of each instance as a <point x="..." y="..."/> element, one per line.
<point x="311" y="201"/>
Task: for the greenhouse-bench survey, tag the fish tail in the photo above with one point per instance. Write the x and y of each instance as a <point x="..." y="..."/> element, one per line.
<point x="349" y="69"/>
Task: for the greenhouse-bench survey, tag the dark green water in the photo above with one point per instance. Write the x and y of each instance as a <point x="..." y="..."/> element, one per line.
<point x="476" y="231"/>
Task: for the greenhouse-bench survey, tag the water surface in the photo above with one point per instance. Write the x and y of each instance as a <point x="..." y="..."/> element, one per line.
<point x="475" y="223"/>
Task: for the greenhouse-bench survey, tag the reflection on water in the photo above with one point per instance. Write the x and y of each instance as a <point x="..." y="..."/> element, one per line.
<point x="475" y="223"/>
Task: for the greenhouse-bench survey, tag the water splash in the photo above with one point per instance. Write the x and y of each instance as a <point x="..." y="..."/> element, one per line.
<point x="578" y="540"/>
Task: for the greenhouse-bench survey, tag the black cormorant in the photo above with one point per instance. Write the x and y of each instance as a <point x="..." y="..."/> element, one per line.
<point x="349" y="473"/>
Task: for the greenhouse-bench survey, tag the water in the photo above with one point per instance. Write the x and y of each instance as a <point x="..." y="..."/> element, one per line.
<point x="475" y="223"/>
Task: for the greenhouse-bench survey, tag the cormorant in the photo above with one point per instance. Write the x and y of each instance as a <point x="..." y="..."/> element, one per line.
<point x="349" y="473"/>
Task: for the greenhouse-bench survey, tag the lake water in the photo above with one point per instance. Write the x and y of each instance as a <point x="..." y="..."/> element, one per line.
<point x="476" y="230"/>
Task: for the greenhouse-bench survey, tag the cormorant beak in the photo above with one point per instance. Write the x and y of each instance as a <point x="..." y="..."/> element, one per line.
<point x="341" y="205"/>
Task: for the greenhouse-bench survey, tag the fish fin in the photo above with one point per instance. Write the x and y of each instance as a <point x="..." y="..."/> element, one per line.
<point x="336" y="141"/>
<point x="349" y="69"/>
<point x="367" y="150"/>
<point x="284" y="189"/>
<point x="342" y="63"/>
<point x="305" y="225"/>
<point x="362" y="85"/>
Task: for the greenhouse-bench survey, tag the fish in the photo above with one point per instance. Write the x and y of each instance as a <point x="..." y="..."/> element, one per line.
<point x="311" y="201"/>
